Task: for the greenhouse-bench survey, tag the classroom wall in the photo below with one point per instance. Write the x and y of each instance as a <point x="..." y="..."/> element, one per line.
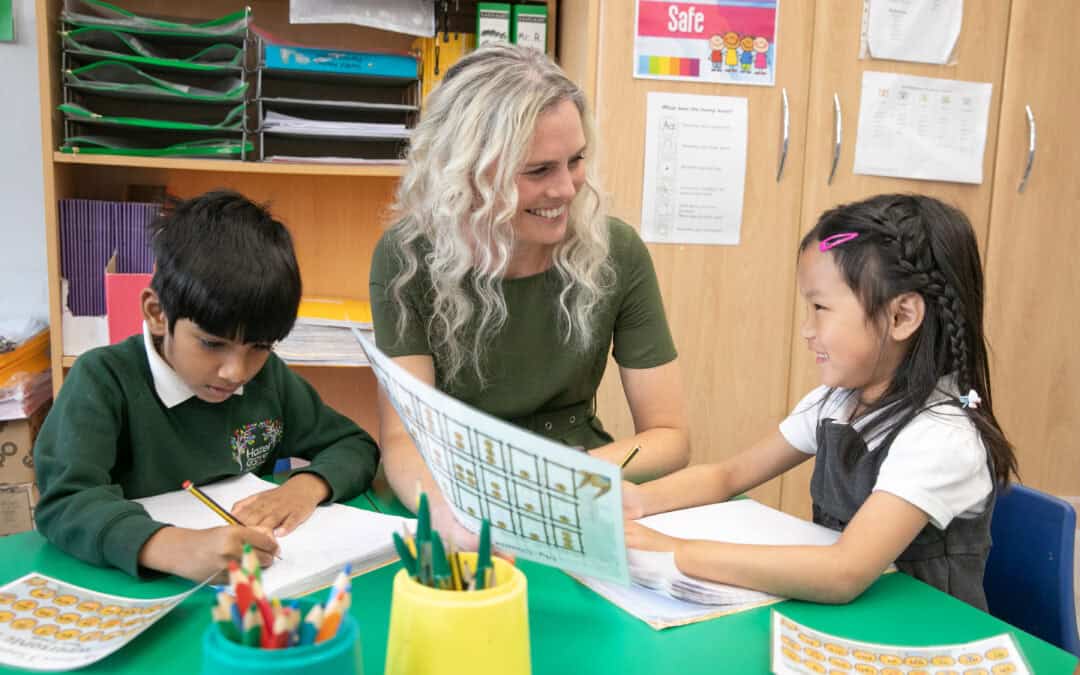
<point x="23" y="272"/>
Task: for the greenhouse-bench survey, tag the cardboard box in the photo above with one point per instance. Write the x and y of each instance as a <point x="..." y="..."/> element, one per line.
<point x="17" y="504"/>
<point x="16" y="446"/>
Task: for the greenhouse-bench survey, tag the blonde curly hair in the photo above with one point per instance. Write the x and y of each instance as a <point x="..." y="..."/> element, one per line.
<point x="458" y="197"/>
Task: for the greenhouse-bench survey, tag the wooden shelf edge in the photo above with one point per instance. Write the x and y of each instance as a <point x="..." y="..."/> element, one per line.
<point x="233" y="166"/>
<point x="68" y="361"/>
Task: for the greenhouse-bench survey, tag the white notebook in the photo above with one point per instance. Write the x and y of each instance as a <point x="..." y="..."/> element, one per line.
<point x="312" y="554"/>
<point x="662" y="596"/>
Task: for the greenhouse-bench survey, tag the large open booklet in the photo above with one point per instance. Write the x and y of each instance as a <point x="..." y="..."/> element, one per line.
<point x="662" y="596"/>
<point x="312" y="554"/>
<point x="546" y="502"/>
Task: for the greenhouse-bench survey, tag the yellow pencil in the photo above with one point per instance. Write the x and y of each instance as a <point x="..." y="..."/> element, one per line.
<point x="214" y="506"/>
<point x="629" y="456"/>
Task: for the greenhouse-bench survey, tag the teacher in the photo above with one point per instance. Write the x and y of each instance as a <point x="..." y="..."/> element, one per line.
<point x="503" y="284"/>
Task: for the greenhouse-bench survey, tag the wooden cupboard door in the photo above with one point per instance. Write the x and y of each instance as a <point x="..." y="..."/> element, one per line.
<point x="836" y="69"/>
<point x="729" y="307"/>
<point x="1032" y="277"/>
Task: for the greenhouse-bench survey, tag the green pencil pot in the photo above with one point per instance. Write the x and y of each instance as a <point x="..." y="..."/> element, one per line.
<point x="340" y="655"/>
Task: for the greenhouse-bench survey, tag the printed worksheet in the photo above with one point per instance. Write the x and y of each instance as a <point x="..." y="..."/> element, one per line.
<point x="799" y="650"/>
<point x="546" y="502"/>
<point x="695" y="169"/>
<point x="924" y="31"/>
<point x="47" y="624"/>
<point x="922" y="127"/>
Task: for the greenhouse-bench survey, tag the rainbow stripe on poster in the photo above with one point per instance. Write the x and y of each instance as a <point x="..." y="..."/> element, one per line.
<point x="668" y="65"/>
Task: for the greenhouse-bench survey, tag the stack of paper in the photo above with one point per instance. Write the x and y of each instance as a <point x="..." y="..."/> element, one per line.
<point x="663" y="596"/>
<point x="323" y="345"/>
<point x="323" y="333"/>
<point x="25" y="376"/>
<point x="656" y="570"/>
<point x="311" y="555"/>
<point x="276" y="122"/>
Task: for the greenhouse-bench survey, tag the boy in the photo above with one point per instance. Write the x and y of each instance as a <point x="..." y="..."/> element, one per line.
<point x="197" y="396"/>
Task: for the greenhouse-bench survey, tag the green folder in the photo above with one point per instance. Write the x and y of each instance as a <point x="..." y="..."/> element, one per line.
<point x="96" y="13"/>
<point x="118" y="78"/>
<point x="234" y="120"/>
<point x="105" y="145"/>
<point x="104" y="43"/>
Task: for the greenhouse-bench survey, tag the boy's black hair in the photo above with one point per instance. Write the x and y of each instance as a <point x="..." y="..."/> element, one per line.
<point x="224" y="263"/>
<point x="917" y="244"/>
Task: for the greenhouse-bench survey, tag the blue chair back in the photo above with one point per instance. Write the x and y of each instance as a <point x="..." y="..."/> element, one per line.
<point x="1029" y="573"/>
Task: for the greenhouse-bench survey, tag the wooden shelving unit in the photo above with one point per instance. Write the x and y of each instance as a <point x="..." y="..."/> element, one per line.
<point x="335" y="212"/>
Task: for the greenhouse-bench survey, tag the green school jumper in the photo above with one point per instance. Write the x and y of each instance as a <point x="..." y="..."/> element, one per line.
<point x="109" y="439"/>
<point x="536" y="380"/>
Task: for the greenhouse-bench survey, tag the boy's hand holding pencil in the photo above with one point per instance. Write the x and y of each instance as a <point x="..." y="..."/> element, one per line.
<point x="198" y="554"/>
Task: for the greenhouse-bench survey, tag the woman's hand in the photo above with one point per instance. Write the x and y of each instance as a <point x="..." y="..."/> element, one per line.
<point x="282" y="509"/>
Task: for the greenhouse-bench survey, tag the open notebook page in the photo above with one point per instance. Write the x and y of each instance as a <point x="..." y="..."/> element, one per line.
<point x="662" y="596"/>
<point x="312" y="554"/>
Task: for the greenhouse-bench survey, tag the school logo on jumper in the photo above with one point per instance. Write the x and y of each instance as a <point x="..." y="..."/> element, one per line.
<point x="253" y="443"/>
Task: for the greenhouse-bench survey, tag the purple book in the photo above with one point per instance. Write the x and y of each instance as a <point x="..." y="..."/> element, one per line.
<point x="91" y="231"/>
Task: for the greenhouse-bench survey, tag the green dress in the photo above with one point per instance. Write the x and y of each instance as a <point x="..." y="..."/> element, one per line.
<point x="534" y="379"/>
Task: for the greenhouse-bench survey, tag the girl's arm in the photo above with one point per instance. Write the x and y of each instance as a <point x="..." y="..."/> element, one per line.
<point x="711" y="483"/>
<point x="402" y="461"/>
<point x="658" y="407"/>
<point x="880" y="531"/>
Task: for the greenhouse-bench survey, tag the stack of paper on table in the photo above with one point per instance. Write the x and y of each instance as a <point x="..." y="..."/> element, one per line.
<point x="662" y="596"/>
<point x="311" y="555"/>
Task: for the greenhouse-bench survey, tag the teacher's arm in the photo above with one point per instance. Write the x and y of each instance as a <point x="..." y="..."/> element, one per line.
<point x="658" y="407"/>
<point x="405" y="468"/>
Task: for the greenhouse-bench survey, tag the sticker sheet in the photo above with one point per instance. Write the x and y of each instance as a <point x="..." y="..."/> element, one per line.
<point x="546" y="502"/>
<point x="47" y="624"/>
<point x="798" y="650"/>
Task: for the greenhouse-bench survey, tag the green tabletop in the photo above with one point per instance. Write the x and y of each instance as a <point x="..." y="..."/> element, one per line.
<point x="572" y="629"/>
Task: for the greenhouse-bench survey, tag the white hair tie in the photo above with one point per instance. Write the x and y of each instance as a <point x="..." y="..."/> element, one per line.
<point x="972" y="400"/>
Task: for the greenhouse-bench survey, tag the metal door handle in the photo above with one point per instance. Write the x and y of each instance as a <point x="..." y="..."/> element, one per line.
<point x="786" y="131"/>
<point x="1031" y="148"/>
<point x="838" y="118"/>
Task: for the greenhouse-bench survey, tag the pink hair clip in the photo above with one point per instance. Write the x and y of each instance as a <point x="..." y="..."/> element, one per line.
<point x="972" y="400"/>
<point x="835" y="240"/>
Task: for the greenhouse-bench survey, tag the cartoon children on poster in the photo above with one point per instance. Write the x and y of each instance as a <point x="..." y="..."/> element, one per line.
<point x="728" y="41"/>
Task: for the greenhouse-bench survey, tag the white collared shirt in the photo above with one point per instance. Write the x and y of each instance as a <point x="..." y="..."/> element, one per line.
<point x="170" y="388"/>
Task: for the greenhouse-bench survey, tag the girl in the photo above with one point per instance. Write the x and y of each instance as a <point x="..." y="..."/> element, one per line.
<point x="909" y="454"/>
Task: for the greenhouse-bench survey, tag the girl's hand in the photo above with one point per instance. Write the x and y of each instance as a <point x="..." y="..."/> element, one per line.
<point x="633" y="501"/>
<point x="646" y="539"/>
<point x="282" y="509"/>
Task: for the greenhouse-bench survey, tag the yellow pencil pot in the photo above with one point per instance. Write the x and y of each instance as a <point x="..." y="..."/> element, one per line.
<point x="437" y="632"/>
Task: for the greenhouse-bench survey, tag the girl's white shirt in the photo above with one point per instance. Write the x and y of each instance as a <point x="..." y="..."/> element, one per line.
<point x="938" y="462"/>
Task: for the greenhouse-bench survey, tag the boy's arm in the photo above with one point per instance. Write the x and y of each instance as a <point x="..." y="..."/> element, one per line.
<point x="82" y="510"/>
<point x="342" y="454"/>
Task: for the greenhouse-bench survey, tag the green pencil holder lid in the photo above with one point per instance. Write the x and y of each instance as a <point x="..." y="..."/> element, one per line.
<point x="340" y="655"/>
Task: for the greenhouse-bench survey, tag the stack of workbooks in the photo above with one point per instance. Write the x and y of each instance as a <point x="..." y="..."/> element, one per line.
<point x="146" y="86"/>
<point x="323" y="333"/>
<point x="662" y="596"/>
<point x="315" y="103"/>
